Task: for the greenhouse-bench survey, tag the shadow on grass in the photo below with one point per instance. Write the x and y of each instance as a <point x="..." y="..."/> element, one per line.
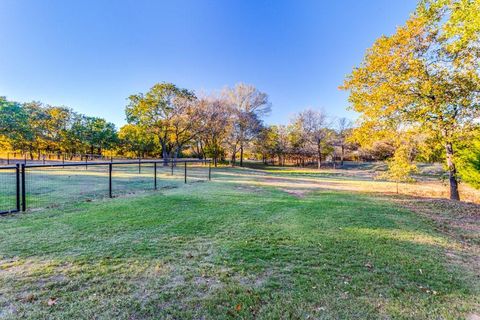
<point x="218" y="252"/>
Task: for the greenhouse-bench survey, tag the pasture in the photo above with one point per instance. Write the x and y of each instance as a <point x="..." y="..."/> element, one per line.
<point x="254" y="243"/>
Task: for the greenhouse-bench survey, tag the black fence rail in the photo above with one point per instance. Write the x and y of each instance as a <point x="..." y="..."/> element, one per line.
<point x="33" y="186"/>
<point x="14" y="157"/>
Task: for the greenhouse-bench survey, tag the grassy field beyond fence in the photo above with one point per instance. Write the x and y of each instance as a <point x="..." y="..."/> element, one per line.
<point x="252" y="244"/>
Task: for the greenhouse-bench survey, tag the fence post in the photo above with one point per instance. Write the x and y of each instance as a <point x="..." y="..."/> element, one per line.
<point x="17" y="175"/>
<point x="139" y="165"/>
<point x="24" y="202"/>
<point x="8" y="158"/>
<point x="86" y="162"/>
<point x="210" y="170"/>
<point x="185" y="164"/>
<point x="110" y="180"/>
<point x="171" y="160"/>
<point x="155" y="175"/>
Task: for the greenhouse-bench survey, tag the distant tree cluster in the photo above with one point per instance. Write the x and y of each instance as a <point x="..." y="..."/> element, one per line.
<point x="38" y="129"/>
<point x="310" y="137"/>
<point x="169" y="121"/>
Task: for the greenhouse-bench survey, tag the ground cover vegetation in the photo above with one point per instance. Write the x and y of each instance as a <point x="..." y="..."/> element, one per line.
<point x="253" y="243"/>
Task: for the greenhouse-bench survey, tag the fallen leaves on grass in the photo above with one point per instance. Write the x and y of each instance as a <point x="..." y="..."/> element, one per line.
<point x="52" y="301"/>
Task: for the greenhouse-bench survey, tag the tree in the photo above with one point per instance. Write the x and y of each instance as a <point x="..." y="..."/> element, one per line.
<point x="14" y="126"/>
<point x="344" y="126"/>
<point x="400" y="167"/>
<point x="98" y="134"/>
<point x="249" y="105"/>
<point x="57" y="125"/>
<point x="154" y="112"/>
<point x="134" y="139"/>
<point x="265" y="143"/>
<point x="417" y="78"/>
<point x="38" y="123"/>
<point x="314" y="127"/>
<point x="185" y="122"/>
<point x="469" y="159"/>
<point x="215" y="120"/>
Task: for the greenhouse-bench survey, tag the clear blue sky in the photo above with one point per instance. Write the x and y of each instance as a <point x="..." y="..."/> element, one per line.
<point x="90" y="55"/>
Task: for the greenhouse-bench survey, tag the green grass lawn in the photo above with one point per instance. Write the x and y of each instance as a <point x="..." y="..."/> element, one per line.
<point x="48" y="187"/>
<point x="231" y="249"/>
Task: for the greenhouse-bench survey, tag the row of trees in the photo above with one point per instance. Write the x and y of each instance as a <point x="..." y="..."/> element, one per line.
<point x="168" y="120"/>
<point x="310" y="136"/>
<point x="38" y="129"/>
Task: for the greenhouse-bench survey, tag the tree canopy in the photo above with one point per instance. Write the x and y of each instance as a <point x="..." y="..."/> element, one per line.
<point x="425" y="77"/>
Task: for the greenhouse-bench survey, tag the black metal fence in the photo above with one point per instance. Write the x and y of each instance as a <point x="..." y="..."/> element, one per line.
<point x="32" y="186"/>
<point x="10" y="158"/>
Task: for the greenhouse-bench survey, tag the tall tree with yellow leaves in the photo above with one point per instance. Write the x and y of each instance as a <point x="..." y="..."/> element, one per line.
<point x="426" y="76"/>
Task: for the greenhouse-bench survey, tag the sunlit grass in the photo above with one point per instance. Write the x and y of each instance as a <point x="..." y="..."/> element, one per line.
<point x="246" y="245"/>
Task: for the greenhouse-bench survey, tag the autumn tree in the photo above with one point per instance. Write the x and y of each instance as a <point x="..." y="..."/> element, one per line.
<point x="314" y="127"/>
<point x="155" y="111"/>
<point x="469" y="158"/>
<point x="14" y="126"/>
<point x="400" y="166"/>
<point x="186" y="123"/>
<point x="344" y="127"/>
<point x="248" y="106"/>
<point x="215" y="122"/>
<point x="134" y="139"/>
<point x="425" y="76"/>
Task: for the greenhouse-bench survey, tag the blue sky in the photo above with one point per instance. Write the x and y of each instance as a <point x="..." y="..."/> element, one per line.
<point x="90" y="55"/>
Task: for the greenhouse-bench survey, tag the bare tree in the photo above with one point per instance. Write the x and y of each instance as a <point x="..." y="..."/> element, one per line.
<point x="215" y="119"/>
<point x="249" y="105"/>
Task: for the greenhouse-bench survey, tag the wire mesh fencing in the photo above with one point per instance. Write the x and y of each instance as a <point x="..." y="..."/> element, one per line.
<point x="9" y="189"/>
<point x="50" y="186"/>
<point x="35" y="186"/>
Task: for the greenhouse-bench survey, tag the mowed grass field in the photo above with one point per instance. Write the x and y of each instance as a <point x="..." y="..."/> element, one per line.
<point x="251" y="244"/>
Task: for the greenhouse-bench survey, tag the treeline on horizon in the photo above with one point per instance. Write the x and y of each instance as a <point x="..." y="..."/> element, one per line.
<point x="417" y="93"/>
<point x="171" y="122"/>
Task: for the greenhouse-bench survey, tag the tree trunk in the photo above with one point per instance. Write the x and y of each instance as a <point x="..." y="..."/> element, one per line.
<point x="234" y="155"/>
<point x="343" y="155"/>
<point x="241" y="155"/>
<point x="319" y="156"/>
<point x="452" y="172"/>
<point x="176" y="152"/>
<point x="164" y="155"/>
